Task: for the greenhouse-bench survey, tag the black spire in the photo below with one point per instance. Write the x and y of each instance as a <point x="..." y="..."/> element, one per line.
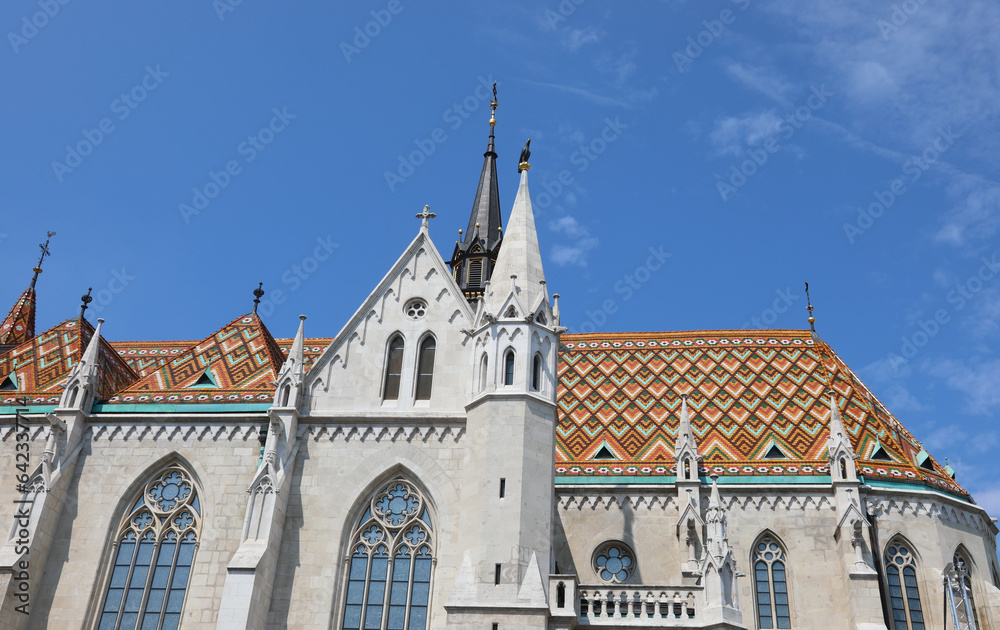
<point x="476" y="251"/>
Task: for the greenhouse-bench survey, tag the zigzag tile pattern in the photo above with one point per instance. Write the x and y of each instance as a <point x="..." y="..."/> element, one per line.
<point x="244" y="360"/>
<point x="44" y="363"/>
<point x="19" y="325"/>
<point x="145" y="357"/>
<point x="747" y="392"/>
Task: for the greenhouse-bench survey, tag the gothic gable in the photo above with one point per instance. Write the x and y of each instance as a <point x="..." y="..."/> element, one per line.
<point x="417" y="300"/>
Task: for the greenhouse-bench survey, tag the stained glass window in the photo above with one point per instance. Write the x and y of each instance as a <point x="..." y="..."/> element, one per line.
<point x="614" y="562"/>
<point x="153" y="556"/>
<point x="389" y="578"/>
<point x="964" y="601"/>
<point x="904" y="596"/>
<point x="771" y="584"/>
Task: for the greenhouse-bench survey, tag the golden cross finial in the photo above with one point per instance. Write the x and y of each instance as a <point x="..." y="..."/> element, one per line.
<point x="45" y="252"/>
<point x="493" y="106"/>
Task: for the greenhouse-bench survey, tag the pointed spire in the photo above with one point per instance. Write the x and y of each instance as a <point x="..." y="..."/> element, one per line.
<point x="685" y="435"/>
<point x="82" y="384"/>
<point x="520" y="255"/>
<point x="19" y="325"/>
<point x="715" y="499"/>
<point x="837" y="432"/>
<point x="292" y="372"/>
<point x="484" y="223"/>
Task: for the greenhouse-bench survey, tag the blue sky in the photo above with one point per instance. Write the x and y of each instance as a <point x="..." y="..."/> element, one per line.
<point x="692" y="164"/>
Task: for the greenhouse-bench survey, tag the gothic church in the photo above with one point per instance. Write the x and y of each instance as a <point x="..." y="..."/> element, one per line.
<point x="452" y="458"/>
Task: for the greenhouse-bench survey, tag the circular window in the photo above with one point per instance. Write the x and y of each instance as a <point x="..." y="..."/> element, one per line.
<point x="415" y="309"/>
<point x="614" y="562"/>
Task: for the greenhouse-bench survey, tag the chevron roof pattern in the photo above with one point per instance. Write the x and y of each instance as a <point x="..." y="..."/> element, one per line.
<point x="242" y="360"/>
<point x="748" y="392"/>
<point x="19" y="325"/>
<point x="43" y="364"/>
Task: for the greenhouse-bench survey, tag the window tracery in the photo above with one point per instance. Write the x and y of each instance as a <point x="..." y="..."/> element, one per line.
<point x="392" y="557"/>
<point x="614" y="562"/>
<point x="904" y="595"/>
<point x="771" y="584"/>
<point x="153" y="556"/>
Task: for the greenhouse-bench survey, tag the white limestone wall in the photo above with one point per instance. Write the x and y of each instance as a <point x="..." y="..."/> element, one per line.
<point x="818" y="564"/>
<point x="349" y="376"/>
<point x="339" y="466"/>
<point x="112" y="468"/>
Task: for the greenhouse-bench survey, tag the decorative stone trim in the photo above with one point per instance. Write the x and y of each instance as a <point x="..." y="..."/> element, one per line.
<point x="171" y="432"/>
<point x="382" y="433"/>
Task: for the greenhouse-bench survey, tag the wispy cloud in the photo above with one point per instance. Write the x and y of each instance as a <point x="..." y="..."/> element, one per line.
<point x="734" y="133"/>
<point x="574" y="254"/>
<point x="576" y="38"/>
<point x="764" y="80"/>
<point x="977" y="379"/>
<point x="593" y="97"/>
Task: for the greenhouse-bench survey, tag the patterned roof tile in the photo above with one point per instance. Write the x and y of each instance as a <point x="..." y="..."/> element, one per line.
<point x="19" y="325"/>
<point x="748" y="391"/>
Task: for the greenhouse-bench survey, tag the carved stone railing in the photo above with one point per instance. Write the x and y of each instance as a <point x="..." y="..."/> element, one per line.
<point x="640" y="606"/>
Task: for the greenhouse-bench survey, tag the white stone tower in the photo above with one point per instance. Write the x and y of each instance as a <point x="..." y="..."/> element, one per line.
<point x="508" y="493"/>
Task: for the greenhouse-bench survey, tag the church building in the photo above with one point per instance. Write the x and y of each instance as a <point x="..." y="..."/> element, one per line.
<point x="453" y="459"/>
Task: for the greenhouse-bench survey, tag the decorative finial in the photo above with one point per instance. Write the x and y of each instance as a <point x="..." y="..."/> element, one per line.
<point x="493" y="106"/>
<point x="45" y="252"/>
<point x="523" y="160"/>
<point x="257" y="294"/>
<point x="809" y="307"/>
<point x="86" y="300"/>
<point x="459" y="231"/>
<point x="425" y="217"/>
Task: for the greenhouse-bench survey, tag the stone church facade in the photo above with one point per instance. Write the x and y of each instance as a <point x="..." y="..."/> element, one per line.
<point x="452" y="458"/>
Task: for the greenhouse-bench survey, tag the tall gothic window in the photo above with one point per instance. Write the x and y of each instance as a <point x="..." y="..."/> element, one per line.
<point x="392" y="552"/>
<point x="393" y="369"/>
<point x="771" y="584"/>
<point x="484" y="370"/>
<point x="425" y="368"/>
<point x="153" y="553"/>
<point x="963" y="594"/>
<point x="904" y="596"/>
<point x="508" y="368"/>
<point x="536" y="372"/>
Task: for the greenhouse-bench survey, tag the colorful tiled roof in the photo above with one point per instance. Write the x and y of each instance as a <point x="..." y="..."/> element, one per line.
<point x="748" y="391"/>
<point x="43" y="364"/>
<point x="146" y="356"/>
<point x="19" y="325"/>
<point x="241" y="360"/>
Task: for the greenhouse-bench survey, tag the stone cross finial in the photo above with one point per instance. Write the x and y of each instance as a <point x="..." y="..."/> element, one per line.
<point x="425" y="217"/>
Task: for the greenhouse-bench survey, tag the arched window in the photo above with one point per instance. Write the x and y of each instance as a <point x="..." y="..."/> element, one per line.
<point x="153" y="554"/>
<point x="771" y="584"/>
<point x="508" y="368"/>
<point x="904" y="596"/>
<point x="392" y="551"/>
<point x="425" y="368"/>
<point x="536" y="372"/>
<point x="963" y="592"/>
<point x="484" y="370"/>
<point x="286" y="392"/>
<point x="393" y="369"/>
